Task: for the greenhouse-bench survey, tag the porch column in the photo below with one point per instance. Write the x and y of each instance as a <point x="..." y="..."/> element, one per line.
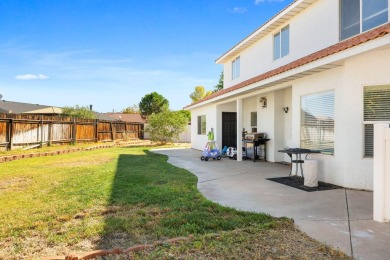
<point x="239" y="129"/>
<point x="381" y="172"/>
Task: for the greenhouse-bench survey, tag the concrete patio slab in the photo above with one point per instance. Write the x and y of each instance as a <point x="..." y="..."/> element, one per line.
<point x="341" y="218"/>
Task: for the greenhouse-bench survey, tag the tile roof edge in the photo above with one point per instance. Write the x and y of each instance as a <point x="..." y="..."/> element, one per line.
<point x="328" y="51"/>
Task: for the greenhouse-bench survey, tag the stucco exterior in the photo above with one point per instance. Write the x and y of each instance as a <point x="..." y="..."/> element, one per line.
<point x="345" y="73"/>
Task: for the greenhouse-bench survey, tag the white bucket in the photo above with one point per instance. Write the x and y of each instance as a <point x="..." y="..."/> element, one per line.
<point x="310" y="171"/>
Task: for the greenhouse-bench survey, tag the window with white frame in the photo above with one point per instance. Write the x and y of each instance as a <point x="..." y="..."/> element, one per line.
<point x="282" y="43"/>
<point x="317" y="122"/>
<point x="254" y="122"/>
<point x="376" y="102"/>
<point x="202" y="125"/>
<point x="236" y="68"/>
<point x="357" y="16"/>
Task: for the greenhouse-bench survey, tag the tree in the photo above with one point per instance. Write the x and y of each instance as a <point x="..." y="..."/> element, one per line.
<point x="166" y="126"/>
<point x="219" y="86"/>
<point x="134" y="109"/>
<point x="199" y="93"/>
<point x="78" y="111"/>
<point x="153" y="103"/>
<point x="185" y="113"/>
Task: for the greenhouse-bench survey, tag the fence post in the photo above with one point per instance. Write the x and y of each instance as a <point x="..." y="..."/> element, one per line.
<point x="112" y="132"/>
<point x="41" y="131"/>
<point x="74" y="131"/>
<point x="10" y="133"/>
<point x="381" y="172"/>
<point x="97" y="131"/>
<point x="49" y="133"/>
<point x="126" y="133"/>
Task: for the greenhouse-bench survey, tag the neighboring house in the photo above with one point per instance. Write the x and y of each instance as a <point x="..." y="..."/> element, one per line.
<point x="104" y="117"/>
<point x="132" y="118"/>
<point x="315" y="76"/>
<point x="26" y="108"/>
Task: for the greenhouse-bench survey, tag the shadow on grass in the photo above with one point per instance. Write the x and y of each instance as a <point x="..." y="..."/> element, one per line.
<point x="153" y="200"/>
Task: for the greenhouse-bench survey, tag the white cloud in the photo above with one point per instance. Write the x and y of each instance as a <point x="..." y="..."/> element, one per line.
<point x="31" y="76"/>
<point x="262" y="1"/>
<point x="239" y="10"/>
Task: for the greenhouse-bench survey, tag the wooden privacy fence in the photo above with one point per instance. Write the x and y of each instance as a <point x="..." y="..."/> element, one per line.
<point x="24" y="130"/>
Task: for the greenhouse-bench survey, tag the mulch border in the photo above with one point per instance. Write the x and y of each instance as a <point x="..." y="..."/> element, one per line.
<point x="297" y="182"/>
<point x="9" y="158"/>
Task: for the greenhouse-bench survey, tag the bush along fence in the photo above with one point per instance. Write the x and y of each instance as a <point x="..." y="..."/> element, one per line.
<point x="28" y="130"/>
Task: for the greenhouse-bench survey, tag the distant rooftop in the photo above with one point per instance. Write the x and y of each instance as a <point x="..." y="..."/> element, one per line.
<point x="26" y="108"/>
<point x="133" y="118"/>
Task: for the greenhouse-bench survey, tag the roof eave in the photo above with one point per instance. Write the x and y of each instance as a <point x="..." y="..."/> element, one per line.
<point x="287" y="13"/>
<point x="373" y="39"/>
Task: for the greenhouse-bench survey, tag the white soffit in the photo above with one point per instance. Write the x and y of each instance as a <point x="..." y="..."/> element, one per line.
<point x="285" y="15"/>
<point x="317" y="66"/>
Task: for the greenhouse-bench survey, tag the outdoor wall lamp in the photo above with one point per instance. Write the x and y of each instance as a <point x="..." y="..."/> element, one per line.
<point x="263" y="100"/>
<point x="285" y="109"/>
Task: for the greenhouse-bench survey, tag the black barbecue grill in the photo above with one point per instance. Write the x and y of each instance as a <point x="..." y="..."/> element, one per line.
<point x="253" y="142"/>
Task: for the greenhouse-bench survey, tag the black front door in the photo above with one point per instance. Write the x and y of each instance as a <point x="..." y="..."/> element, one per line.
<point x="229" y="129"/>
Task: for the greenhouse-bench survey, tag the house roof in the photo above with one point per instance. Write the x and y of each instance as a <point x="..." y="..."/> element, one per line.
<point x="26" y="108"/>
<point x="103" y="116"/>
<point x="336" y="48"/>
<point x="133" y="118"/>
<point x="280" y="18"/>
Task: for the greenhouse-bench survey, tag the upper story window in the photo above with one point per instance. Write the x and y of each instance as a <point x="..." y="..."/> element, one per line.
<point x="282" y="43"/>
<point x="236" y="68"/>
<point x="358" y="16"/>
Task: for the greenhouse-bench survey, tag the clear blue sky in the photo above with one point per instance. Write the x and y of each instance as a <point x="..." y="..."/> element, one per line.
<point x="110" y="53"/>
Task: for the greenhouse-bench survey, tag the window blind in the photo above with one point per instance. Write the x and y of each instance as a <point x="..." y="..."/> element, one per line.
<point x="377" y="103"/>
<point x="376" y="108"/>
<point x="317" y="122"/>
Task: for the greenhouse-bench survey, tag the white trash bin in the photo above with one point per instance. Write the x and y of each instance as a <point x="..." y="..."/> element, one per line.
<point x="310" y="171"/>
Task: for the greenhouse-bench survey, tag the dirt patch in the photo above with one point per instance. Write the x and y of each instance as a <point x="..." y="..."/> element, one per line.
<point x="15" y="183"/>
<point x="94" y="162"/>
<point x="284" y="241"/>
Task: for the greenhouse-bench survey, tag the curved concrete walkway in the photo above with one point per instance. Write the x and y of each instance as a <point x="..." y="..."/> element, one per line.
<point x="341" y="218"/>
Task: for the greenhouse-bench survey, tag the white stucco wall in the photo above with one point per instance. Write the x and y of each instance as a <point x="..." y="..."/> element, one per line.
<point x="347" y="167"/>
<point x="315" y="28"/>
<point x="200" y="141"/>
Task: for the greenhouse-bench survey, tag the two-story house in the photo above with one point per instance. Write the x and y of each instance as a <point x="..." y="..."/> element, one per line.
<point x="316" y="75"/>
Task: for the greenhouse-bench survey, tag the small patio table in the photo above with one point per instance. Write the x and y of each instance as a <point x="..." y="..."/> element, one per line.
<point x="298" y="157"/>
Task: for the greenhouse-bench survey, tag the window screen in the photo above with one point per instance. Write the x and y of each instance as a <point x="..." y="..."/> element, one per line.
<point x="202" y="125"/>
<point x="276" y="46"/>
<point x="282" y="43"/>
<point x="374" y="13"/>
<point x="254" y="119"/>
<point x="236" y="68"/>
<point x="317" y="122"/>
<point x="358" y="16"/>
<point x="285" y="41"/>
<point x="350" y="18"/>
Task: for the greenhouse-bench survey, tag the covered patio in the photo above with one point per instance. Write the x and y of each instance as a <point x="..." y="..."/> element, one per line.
<point x="341" y="218"/>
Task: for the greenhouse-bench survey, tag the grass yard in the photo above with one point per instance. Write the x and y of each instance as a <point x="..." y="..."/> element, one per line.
<point x="120" y="197"/>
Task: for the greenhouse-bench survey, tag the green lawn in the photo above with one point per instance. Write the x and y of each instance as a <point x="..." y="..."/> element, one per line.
<point x="105" y="198"/>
